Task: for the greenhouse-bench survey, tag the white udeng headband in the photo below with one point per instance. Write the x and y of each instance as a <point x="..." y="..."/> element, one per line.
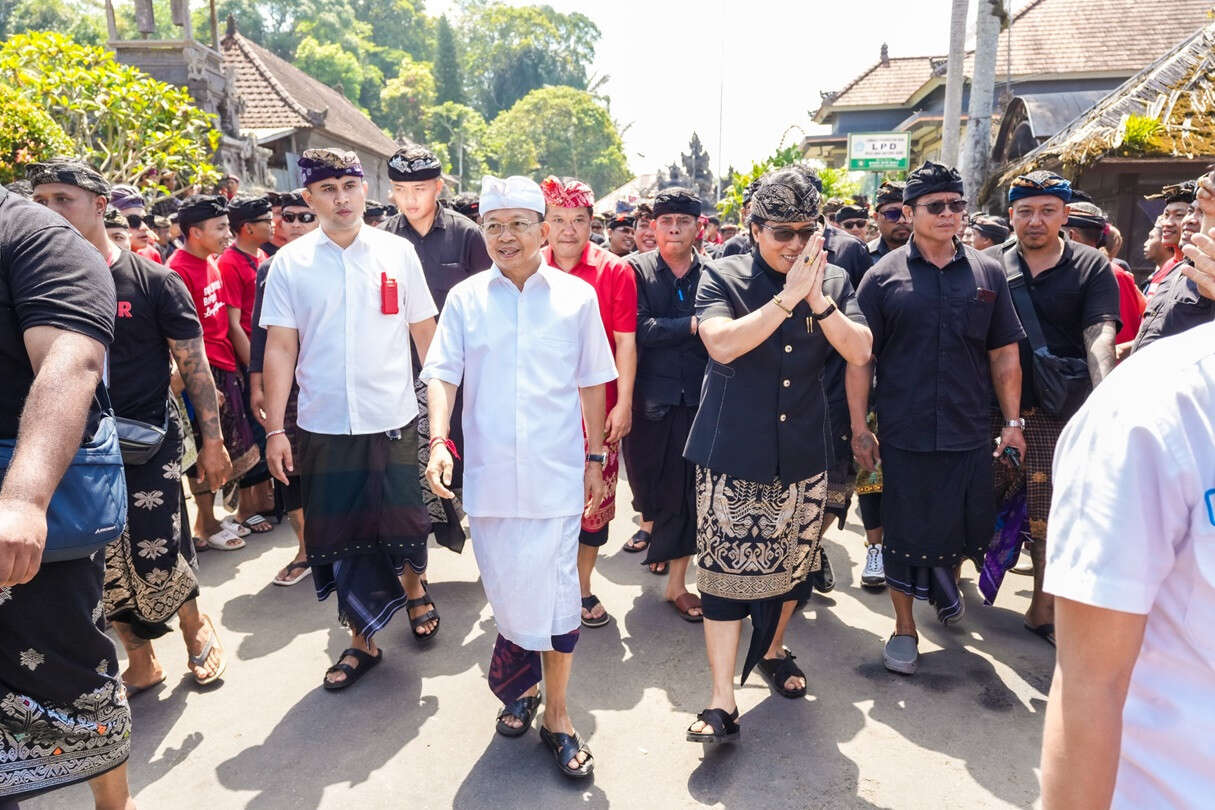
<point x="513" y="192"/>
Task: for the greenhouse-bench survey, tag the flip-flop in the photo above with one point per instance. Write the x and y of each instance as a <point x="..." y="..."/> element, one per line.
<point x="200" y="660"/>
<point x="296" y="565"/>
<point x="225" y="540"/>
<point x="254" y="522"/>
<point x="640" y="541"/>
<point x="1046" y="632"/>
<point x="353" y="674"/>
<point x="661" y="571"/>
<point x="566" y="747"/>
<point x="684" y="604"/>
<point x="132" y="691"/>
<point x="588" y="604"/>
<point x="235" y="526"/>
<point x="525" y="709"/>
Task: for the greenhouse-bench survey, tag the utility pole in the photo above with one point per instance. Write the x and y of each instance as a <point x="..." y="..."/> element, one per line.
<point x="951" y="121"/>
<point x="977" y="158"/>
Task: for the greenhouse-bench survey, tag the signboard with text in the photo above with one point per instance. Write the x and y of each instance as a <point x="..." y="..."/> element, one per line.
<point x="879" y="151"/>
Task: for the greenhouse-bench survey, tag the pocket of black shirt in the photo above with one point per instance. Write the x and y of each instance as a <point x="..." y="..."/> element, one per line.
<point x="978" y="319"/>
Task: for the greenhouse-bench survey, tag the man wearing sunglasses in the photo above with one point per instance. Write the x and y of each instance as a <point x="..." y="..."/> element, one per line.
<point x="894" y="227"/>
<point x="944" y="333"/>
<point x="853" y="220"/>
<point x="130" y="203"/>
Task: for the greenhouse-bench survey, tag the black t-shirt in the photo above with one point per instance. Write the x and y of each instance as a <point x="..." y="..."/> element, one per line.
<point x="49" y="276"/>
<point x="932" y="329"/>
<point x="154" y="306"/>
<point x="1076" y="293"/>
<point x="1176" y="307"/>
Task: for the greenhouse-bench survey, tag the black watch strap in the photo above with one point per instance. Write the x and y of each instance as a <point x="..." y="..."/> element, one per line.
<point x="818" y="316"/>
<point x="599" y="457"/>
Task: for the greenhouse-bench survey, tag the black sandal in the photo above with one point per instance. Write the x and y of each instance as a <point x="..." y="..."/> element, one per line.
<point x="525" y="709"/>
<point x="658" y="569"/>
<point x="640" y="541"/>
<point x="725" y="727"/>
<point x="431" y="615"/>
<point x="566" y="747"/>
<point x="777" y="672"/>
<point x="353" y="674"/>
<point x="588" y="604"/>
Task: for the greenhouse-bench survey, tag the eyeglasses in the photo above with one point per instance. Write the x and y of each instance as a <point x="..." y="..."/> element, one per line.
<point x="892" y="214"/>
<point x="517" y="226"/>
<point x="781" y="234"/>
<point x="135" y="220"/>
<point x="854" y="223"/>
<point x="305" y="217"/>
<point x="938" y="206"/>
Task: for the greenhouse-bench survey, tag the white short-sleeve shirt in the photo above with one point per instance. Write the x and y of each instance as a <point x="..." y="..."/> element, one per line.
<point x="522" y="356"/>
<point x="1132" y="528"/>
<point x="354" y="370"/>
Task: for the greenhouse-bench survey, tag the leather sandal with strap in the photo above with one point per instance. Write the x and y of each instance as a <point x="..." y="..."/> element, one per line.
<point x="524" y="709"/>
<point x="353" y="674"/>
<point x="431" y="615"/>
<point x="778" y="671"/>
<point x="724" y="726"/>
<point x="566" y="748"/>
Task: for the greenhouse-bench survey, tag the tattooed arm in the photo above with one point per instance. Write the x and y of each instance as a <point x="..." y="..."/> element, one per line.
<point x="214" y="467"/>
<point x="1099" y="350"/>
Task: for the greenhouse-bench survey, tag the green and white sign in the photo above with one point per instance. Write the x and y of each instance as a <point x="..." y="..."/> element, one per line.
<point x="879" y="151"/>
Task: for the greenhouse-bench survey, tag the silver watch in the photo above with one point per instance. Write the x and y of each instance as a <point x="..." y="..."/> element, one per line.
<point x="1015" y="423"/>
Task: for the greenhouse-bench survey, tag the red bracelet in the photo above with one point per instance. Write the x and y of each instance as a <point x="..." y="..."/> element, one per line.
<point x="448" y="443"/>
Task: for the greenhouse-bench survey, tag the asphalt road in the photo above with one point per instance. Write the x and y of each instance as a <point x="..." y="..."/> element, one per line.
<point x="419" y="731"/>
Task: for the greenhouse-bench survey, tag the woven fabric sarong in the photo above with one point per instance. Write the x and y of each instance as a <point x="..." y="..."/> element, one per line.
<point x="63" y="712"/>
<point x="602" y="516"/>
<point x="1042" y="431"/>
<point x="513" y="670"/>
<point x="234" y="422"/>
<point x="150" y="569"/>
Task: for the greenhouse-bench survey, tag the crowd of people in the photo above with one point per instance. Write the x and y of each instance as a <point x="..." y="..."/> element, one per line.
<point x="487" y="367"/>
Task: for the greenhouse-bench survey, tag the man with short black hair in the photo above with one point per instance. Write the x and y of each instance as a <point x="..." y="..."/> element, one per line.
<point x="1074" y="300"/>
<point x="276" y="241"/>
<point x="130" y="202"/>
<point x="853" y="220"/>
<point x="116" y="227"/>
<point x="376" y="214"/>
<point x="894" y="228"/>
<point x="1177" y="201"/>
<point x="597" y="227"/>
<point x="644" y="239"/>
<point x="944" y="331"/>
<point x="1087" y="225"/>
<point x="620" y="234"/>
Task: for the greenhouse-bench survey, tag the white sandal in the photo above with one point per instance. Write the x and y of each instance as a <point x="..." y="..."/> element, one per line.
<point x="225" y="540"/>
<point x="235" y="526"/>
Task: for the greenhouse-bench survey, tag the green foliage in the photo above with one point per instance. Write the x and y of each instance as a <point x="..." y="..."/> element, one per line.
<point x="331" y="64"/>
<point x="27" y="135"/>
<point x="838" y="183"/>
<point x="562" y="131"/>
<point x="405" y="98"/>
<point x="119" y="118"/>
<point x="452" y="127"/>
<point x="79" y="19"/>
<point x="730" y="204"/>
<point x="510" y="51"/>
<point x="1139" y="131"/>
<point x="448" y="79"/>
<point x="397" y="28"/>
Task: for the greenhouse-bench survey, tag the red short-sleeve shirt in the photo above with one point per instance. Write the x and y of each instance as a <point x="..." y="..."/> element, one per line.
<point x="205" y="284"/>
<point x="238" y="270"/>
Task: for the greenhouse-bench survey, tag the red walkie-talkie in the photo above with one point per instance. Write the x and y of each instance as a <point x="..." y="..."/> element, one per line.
<point x="389" y="302"/>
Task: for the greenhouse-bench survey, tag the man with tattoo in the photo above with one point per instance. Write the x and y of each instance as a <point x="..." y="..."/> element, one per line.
<point x="149" y="571"/>
<point x="1074" y="296"/>
<point x="63" y="715"/>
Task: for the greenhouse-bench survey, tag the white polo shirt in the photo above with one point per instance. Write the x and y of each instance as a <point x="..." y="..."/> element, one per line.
<point x="522" y="356"/>
<point x="1132" y="528"/>
<point x="354" y="368"/>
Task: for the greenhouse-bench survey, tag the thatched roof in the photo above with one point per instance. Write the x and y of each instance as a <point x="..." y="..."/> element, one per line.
<point x="1177" y="92"/>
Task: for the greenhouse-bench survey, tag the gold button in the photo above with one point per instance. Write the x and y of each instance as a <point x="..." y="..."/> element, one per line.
<point x="783" y="417"/>
<point x="788" y="348"/>
<point x="785" y="383"/>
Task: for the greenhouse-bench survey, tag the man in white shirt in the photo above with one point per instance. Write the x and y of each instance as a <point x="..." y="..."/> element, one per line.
<point x="340" y="307"/>
<point x="1131" y="562"/>
<point x="528" y="343"/>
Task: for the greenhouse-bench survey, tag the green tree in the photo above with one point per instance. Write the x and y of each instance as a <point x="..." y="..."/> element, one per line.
<point x="510" y="51"/>
<point x="455" y="130"/>
<point x="78" y="19"/>
<point x="730" y="204"/>
<point x="448" y="80"/>
<point x="331" y="64"/>
<point x="406" y="97"/>
<point x="397" y="28"/>
<point x="562" y="131"/>
<point x="119" y="118"/>
<point x="27" y="134"/>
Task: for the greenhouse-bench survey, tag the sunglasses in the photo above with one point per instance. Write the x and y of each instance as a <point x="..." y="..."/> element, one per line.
<point x="781" y="234"/>
<point x="939" y="206"/>
<point x="892" y="214"/>
<point x="135" y="220"/>
<point x="854" y="223"/>
<point x="305" y="217"/>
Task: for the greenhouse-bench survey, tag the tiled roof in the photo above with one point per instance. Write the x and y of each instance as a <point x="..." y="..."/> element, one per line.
<point x="890" y="83"/>
<point x="279" y="95"/>
<point x="1095" y="36"/>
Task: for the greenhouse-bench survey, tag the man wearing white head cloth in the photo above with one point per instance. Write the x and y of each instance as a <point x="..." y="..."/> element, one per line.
<point x="528" y="344"/>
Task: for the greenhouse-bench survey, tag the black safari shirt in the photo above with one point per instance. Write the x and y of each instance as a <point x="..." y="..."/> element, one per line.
<point x="451" y="251"/>
<point x="154" y="306"/>
<point x="1176" y="307"/>
<point x="49" y="276"/>
<point x="932" y="329"/>
<point x="763" y="416"/>
<point x="1079" y="291"/>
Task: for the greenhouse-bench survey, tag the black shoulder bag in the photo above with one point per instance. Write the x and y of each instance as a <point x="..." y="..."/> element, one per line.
<point x="1061" y="383"/>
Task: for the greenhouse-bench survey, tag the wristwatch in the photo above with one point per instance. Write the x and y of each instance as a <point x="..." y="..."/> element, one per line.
<point x="599" y="457"/>
<point x="818" y="316"/>
<point x="1015" y="423"/>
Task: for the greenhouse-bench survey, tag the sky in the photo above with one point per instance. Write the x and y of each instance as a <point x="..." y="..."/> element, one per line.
<point x="669" y="61"/>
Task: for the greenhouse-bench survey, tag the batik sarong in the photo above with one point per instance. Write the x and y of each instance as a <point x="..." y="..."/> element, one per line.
<point x="234" y="422"/>
<point x="150" y="569"/>
<point x="364" y="520"/>
<point x="445" y="513"/>
<point x="598" y="519"/>
<point x="1042" y="431"/>
<point x="63" y="712"/>
<point x="513" y="670"/>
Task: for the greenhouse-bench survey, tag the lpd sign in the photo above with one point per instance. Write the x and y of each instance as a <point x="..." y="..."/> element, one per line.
<point x="879" y="151"/>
